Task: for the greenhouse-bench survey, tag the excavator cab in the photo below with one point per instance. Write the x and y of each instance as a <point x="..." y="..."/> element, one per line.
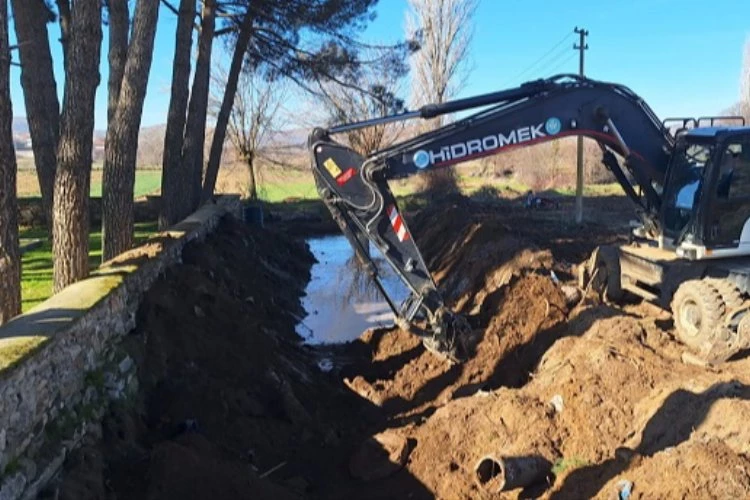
<point x="707" y="200"/>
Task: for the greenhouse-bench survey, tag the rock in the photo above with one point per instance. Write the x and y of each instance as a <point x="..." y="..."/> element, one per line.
<point x="362" y="387"/>
<point x="572" y="294"/>
<point x="379" y="456"/>
<point x="12" y="487"/>
<point x="90" y="395"/>
<point x="28" y="467"/>
<point x="298" y="484"/>
<point x="126" y="364"/>
<point x="557" y="403"/>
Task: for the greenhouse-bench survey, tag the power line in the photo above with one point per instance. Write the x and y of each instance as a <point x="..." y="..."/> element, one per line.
<point x="562" y="63"/>
<point x="543" y="57"/>
<point x="532" y="65"/>
<point x="554" y="62"/>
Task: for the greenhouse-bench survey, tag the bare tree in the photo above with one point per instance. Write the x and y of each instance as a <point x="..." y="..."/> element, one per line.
<point x="73" y="177"/>
<point x="439" y="68"/>
<point x="150" y="147"/>
<point x="122" y="134"/>
<point x="744" y="104"/>
<point x="370" y="90"/>
<point x="10" y="265"/>
<point x="254" y="118"/>
<point x="227" y="102"/>
<point x="39" y="92"/>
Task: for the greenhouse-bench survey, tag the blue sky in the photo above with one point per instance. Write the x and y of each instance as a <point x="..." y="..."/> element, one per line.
<point x="682" y="57"/>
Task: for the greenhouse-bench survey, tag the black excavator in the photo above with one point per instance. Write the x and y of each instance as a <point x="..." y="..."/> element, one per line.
<point x="688" y="180"/>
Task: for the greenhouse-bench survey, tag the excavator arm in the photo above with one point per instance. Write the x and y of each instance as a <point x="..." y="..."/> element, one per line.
<point x="355" y="188"/>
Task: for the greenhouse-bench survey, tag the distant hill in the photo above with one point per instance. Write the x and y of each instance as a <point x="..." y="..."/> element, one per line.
<point x="286" y="142"/>
<point x="20" y="125"/>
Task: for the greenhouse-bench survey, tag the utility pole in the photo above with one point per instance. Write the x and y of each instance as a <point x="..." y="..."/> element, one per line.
<point x="580" y="47"/>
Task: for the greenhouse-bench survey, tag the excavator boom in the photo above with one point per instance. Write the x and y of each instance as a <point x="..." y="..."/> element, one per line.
<point x="355" y="188"/>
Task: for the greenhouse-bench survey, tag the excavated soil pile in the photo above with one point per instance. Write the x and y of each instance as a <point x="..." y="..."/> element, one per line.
<point x="598" y="393"/>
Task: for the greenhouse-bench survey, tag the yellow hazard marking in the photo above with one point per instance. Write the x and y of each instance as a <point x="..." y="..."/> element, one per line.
<point x="332" y="168"/>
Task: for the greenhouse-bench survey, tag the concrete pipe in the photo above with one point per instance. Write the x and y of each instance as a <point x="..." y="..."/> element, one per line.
<point x="496" y="473"/>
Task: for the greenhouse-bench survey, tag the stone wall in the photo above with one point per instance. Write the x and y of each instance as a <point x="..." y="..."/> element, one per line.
<point x="60" y="363"/>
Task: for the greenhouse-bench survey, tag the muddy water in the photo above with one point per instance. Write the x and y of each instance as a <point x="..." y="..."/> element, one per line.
<point x="341" y="301"/>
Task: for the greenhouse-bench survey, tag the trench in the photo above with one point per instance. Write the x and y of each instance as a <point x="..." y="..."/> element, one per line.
<point x="234" y="402"/>
<point x="340" y="300"/>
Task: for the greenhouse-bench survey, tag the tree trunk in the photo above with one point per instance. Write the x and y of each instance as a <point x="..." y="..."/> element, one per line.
<point x="195" y="130"/>
<point x="253" y="191"/>
<point x="63" y="9"/>
<point x="222" y="120"/>
<point x="39" y="92"/>
<point x="119" y="18"/>
<point x="172" y="200"/>
<point x="10" y="265"/>
<point x="71" y="213"/>
<point x="122" y="135"/>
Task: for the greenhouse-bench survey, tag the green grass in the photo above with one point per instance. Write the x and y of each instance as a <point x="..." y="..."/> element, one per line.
<point x="36" y="265"/>
<point x="563" y="464"/>
<point x="612" y="189"/>
<point x="146" y="182"/>
<point x="274" y="192"/>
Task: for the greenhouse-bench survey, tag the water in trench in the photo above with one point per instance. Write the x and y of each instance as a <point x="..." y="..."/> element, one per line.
<point x="341" y="301"/>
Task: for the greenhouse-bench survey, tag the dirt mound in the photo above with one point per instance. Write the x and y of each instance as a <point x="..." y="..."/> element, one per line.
<point x="405" y="378"/>
<point x="471" y="256"/>
<point x="599" y="392"/>
<point x="235" y="407"/>
<point x="695" y="470"/>
<point x="502" y="282"/>
<point x="600" y="407"/>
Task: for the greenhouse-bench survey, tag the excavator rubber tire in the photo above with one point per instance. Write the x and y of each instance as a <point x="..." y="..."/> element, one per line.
<point x="724" y="344"/>
<point x="697" y="309"/>
<point x="729" y="292"/>
<point x="743" y="331"/>
<point x="604" y="272"/>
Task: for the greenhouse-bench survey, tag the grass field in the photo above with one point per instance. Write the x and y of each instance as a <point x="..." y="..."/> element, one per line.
<point x="301" y="186"/>
<point x="146" y="182"/>
<point x="279" y="184"/>
<point x="36" y="265"/>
